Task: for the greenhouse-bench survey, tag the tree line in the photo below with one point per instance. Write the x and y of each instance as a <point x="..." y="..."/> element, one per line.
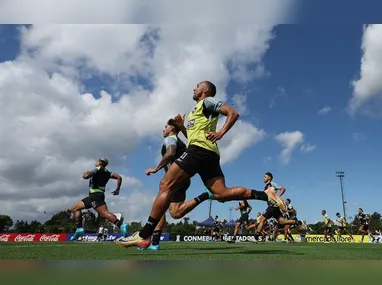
<point x="61" y="222"/>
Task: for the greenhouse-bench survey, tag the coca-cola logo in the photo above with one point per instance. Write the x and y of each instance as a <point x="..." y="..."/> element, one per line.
<point x="22" y="238"/>
<point x="4" y="237"/>
<point x="49" y="238"/>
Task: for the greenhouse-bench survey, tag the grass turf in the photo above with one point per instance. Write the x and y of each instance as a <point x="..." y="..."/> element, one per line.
<point x="191" y="251"/>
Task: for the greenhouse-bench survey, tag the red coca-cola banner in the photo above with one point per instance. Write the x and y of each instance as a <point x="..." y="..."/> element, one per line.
<point x="32" y="237"/>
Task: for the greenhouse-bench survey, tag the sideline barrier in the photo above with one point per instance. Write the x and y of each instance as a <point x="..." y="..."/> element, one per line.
<point x="207" y="238"/>
<point x="15" y="237"/>
<point x="344" y="239"/>
<point x="27" y="237"/>
<point x="311" y="238"/>
<point x="110" y="237"/>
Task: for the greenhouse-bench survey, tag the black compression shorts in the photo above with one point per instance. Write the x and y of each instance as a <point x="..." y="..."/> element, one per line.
<point x="202" y="161"/>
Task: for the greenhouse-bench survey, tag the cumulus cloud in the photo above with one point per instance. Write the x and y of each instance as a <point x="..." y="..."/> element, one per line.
<point x="324" y="110"/>
<point x="367" y="89"/>
<point x="238" y="139"/>
<point x="53" y="127"/>
<point x="289" y="141"/>
<point x="151" y="11"/>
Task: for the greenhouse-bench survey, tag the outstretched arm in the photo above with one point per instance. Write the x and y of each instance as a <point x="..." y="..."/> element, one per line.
<point x="170" y="144"/>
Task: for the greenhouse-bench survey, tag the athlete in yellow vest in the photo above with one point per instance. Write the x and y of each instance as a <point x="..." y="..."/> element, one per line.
<point x="201" y="157"/>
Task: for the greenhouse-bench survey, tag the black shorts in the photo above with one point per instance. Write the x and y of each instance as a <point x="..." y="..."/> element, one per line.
<point x="328" y="230"/>
<point x="272" y="212"/>
<point x="202" y="161"/>
<point x="365" y="227"/>
<point x="94" y="200"/>
<point x="343" y="229"/>
<point x="244" y="219"/>
<point x="179" y="193"/>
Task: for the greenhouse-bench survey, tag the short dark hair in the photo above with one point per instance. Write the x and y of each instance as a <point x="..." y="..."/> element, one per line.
<point x="337" y="214"/>
<point x="360" y="209"/>
<point x="211" y="88"/>
<point x="270" y="175"/>
<point x="288" y="200"/>
<point x="171" y="122"/>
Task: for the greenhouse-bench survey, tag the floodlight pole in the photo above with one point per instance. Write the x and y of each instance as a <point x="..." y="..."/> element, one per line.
<point x="230" y="213"/>
<point x="341" y="175"/>
<point x="210" y="208"/>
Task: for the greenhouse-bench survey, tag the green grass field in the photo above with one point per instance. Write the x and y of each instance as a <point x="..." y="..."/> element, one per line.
<point x="192" y="251"/>
<point x="189" y="263"/>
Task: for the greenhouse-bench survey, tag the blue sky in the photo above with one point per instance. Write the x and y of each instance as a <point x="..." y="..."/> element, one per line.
<point x="314" y="65"/>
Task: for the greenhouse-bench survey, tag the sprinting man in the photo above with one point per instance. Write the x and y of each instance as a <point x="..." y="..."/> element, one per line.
<point x="272" y="211"/>
<point x="203" y="157"/>
<point x="245" y="209"/>
<point x="105" y="232"/>
<point x="343" y="228"/>
<point x="364" y="222"/>
<point x="173" y="147"/>
<point x="99" y="176"/>
<point x="328" y="223"/>
<point x="100" y="233"/>
<point x="290" y="214"/>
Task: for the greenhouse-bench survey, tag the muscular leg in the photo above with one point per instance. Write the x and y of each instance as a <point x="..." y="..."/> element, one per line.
<point x="237" y="226"/>
<point x="104" y="212"/>
<point x="363" y="233"/>
<point x="260" y="226"/>
<point x="253" y="226"/>
<point x="77" y="214"/>
<point x="158" y="231"/>
<point x="180" y="209"/>
<point x="223" y="194"/>
<point x="175" y="175"/>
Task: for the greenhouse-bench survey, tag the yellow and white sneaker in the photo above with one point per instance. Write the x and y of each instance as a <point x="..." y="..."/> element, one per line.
<point x="275" y="200"/>
<point x="133" y="240"/>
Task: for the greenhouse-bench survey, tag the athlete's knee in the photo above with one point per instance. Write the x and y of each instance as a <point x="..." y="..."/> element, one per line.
<point x="176" y="215"/>
<point x="75" y="208"/>
<point x="165" y="185"/>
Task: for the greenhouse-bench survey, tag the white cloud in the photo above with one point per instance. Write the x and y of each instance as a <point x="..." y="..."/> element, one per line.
<point x="52" y="130"/>
<point x="359" y="137"/>
<point x="367" y="89"/>
<point x="153" y="12"/>
<point x="289" y="141"/>
<point x="324" y="110"/>
<point x="240" y="103"/>
<point x="307" y="147"/>
<point x="238" y="139"/>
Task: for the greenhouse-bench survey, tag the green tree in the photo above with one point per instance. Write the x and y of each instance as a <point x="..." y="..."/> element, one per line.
<point x="91" y="221"/>
<point x="135" y="226"/>
<point x="34" y="227"/>
<point x="375" y="221"/>
<point x="59" y="222"/>
<point x="5" y="223"/>
<point x="21" y="227"/>
<point x="317" y="227"/>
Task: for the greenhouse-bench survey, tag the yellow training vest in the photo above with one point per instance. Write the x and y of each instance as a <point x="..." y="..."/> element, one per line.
<point x="200" y="122"/>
